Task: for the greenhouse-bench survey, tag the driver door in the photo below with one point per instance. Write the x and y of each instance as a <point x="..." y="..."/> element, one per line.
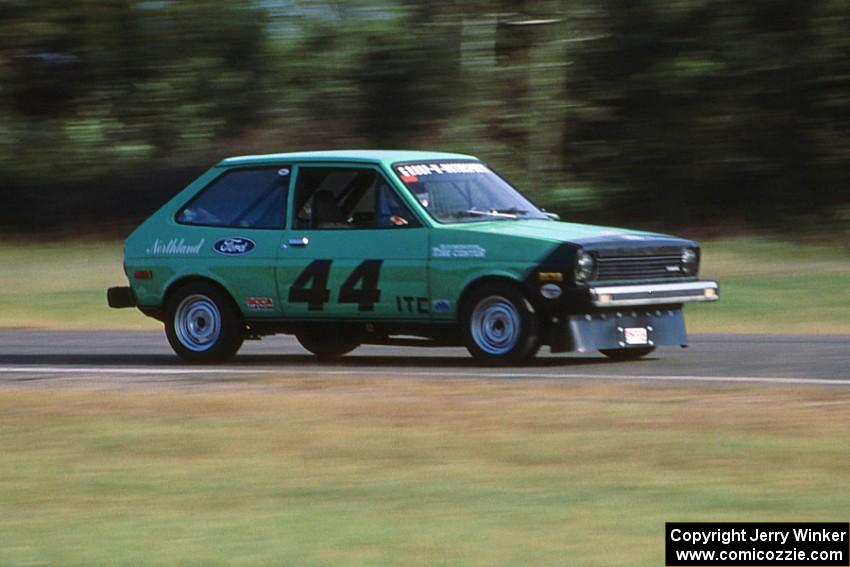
<point x="352" y="251"/>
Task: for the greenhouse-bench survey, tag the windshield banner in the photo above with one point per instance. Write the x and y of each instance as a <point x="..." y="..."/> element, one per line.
<point x="422" y="169"/>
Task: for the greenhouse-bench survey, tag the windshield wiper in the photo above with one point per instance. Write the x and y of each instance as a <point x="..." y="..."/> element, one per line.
<point x="500" y="214"/>
<point x="512" y="211"/>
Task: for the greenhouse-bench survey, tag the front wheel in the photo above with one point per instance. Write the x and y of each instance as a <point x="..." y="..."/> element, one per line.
<point x="202" y="324"/>
<point x="500" y="325"/>
<point x="627" y="353"/>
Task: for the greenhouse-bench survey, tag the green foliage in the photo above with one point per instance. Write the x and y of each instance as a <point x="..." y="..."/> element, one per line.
<point x="706" y="109"/>
<point x="680" y="112"/>
<point x="95" y="85"/>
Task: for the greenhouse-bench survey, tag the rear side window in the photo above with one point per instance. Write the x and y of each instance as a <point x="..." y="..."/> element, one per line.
<point x="241" y="198"/>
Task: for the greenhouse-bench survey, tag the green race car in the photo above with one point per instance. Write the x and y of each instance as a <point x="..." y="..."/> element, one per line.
<point x="343" y="248"/>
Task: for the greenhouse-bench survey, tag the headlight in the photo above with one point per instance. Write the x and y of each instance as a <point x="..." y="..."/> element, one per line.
<point x="690" y="262"/>
<point x="585" y="266"/>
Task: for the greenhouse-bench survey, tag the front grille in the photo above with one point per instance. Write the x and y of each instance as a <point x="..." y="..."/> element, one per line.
<point x="637" y="265"/>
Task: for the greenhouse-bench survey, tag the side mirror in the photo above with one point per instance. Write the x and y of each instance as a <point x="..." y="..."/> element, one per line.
<point x="553" y="216"/>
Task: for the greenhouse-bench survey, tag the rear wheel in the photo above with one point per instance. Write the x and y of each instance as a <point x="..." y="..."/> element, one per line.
<point x="500" y="325"/>
<point x="627" y="353"/>
<point x="327" y="344"/>
<point x="202" y="324"/>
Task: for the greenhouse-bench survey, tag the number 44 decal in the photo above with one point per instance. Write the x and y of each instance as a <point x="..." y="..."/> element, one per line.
<point x="361" y="287"/>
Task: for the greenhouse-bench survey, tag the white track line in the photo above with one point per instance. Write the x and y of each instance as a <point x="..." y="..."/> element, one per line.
<point x="422" y="374"/>
<point x="617" y="377"/>
<point x="103" y="370"/>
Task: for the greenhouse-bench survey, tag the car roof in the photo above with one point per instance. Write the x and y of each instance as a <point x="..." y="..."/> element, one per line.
<point x="387" y="157"/>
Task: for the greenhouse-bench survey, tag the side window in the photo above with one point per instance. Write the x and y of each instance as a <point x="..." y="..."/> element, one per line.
<point x="241" y="198"/>
<point x="332" y="198"/>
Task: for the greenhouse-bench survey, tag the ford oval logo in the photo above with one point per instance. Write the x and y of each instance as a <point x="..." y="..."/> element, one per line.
<point x="234" y="246"/>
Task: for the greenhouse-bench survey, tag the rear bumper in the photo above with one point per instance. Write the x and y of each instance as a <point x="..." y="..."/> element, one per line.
<point x="654" y="294"/>
<point x="120" y="297"/>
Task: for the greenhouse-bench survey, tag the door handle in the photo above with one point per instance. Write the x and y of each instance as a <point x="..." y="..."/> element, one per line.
<point x="299" y="242"/>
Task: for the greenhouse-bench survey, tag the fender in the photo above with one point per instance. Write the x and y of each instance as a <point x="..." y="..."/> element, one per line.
<point x="552" y="285"/>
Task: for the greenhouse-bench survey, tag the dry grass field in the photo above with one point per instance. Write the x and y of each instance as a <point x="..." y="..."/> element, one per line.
<point x="284" y="470"/>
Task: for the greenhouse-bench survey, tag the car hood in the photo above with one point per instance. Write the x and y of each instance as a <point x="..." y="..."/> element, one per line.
<point x="584" y="235"/>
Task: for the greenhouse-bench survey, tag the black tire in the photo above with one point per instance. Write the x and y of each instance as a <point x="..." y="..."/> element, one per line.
<point x="203" y="324"/>
<point x="327" y="344"/>
<point x="499" y="324"/>
<point x="627" y="353"/>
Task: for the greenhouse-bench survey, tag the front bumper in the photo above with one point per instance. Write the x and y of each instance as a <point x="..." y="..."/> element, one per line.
<point x="654" y="294"/>
<point x="610" y="330"/>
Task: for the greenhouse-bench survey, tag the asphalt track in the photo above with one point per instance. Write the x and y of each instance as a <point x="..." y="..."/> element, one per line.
<point x="127" y="358"/>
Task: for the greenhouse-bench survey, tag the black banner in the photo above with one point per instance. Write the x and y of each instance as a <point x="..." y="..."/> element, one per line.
<point x="744" y="544"/>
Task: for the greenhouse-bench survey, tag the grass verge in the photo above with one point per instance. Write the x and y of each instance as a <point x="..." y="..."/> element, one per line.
<point x="775" y="288"/>
<point x="390" y="472"/>
<point x="767" y="287"/>
<point x="63" y="286"/>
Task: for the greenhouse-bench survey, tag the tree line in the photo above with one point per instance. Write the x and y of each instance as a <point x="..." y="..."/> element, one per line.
<point x="697" y="113"/>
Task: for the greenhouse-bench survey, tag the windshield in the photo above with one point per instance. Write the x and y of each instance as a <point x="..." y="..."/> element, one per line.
<point x="465" y="191"/>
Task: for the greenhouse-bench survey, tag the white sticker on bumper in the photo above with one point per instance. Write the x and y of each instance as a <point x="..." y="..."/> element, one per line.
<point x="636" y="336"/>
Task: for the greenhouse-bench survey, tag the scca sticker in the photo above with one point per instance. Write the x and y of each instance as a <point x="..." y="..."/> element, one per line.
<point x="259" y="303"/>
<point x="234" y="246"/>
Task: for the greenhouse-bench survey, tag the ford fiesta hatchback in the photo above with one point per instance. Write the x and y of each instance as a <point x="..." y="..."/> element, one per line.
<point x="343" y="248"/>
